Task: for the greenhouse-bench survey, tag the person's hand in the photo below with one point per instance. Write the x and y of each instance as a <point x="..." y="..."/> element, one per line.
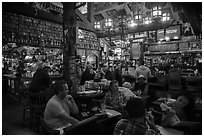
<point x="150" y="117"/>
<point x="69" y="98"/>
<point x="172" y="112"/>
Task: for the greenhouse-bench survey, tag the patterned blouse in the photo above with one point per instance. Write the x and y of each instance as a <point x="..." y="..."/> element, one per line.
<point x="115" y="100"/>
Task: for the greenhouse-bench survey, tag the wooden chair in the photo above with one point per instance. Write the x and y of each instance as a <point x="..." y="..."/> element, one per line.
<point x="37" y="103"/>
<point x="193" y="84"/>
<point x="84" y="127"/>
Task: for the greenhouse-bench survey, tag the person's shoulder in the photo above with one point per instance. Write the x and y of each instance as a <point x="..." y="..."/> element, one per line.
<point x="53" y="100"/>
<point x="122" y="122"/>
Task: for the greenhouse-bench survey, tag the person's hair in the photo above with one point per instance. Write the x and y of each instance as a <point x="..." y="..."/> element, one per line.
<point x="142" y="62"/>
<point x="111" y="83"/>
<point x="135" y="108"/>
<point x="127" y="85"/>
<point x="58" y="86"/>
<point x="189" y="109"/>
<point x="46" y="67"/>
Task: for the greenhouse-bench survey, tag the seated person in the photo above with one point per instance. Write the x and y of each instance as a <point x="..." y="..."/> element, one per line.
<point x="59" y="107"/>
<point x="114" y="98"/>
<point x="126" y="89"/>
<point x="183" y="108"/>
<point x="137" y="121"/>
<point x="140" y="85"/>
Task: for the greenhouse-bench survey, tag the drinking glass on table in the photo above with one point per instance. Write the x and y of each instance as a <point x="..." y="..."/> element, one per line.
<point x="103" y="106"/>
<point x="139" y="93"/>
<point x="168" y="97"/>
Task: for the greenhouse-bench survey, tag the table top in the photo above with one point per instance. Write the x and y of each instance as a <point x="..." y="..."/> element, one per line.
<point x="144" y="97"/>
<point x="88" y="94"/>
<point x="169" y="131"/>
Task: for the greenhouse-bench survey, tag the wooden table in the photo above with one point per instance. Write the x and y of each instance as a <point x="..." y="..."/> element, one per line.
<point x="169" y="131"/>
<point x="98" y="124"/>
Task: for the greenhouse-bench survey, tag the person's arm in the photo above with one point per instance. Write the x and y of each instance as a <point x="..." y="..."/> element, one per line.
<point x="71" y="119"/>
<point x="59" y="112"/>
<point x="48" y="80"/>
<point x="146" y="89"/>
<point x="72" y="105"/>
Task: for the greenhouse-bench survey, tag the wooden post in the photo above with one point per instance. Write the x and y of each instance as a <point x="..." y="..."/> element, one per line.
<point x="69" y="45"/>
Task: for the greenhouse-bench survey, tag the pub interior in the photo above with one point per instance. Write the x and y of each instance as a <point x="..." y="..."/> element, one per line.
<point x="106" y="53"/>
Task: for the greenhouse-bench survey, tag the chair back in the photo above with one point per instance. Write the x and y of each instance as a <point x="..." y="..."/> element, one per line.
<point x="39" y="100"/>
<point x="194" y="84"/>
<point x="84" y="127"/>
<point x="174" y="77"/>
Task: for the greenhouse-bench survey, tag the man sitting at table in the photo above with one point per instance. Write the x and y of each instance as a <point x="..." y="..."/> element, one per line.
<point x="137" y="121"/>
<point x="59" y="107"/>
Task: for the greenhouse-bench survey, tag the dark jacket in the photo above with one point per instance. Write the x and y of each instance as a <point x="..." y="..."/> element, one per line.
<point x="109" y="75"/>
<point x="118" y="77"/>
<point x="86" y="76"/>
<point x="40" y="81"/>
<point x="137" y="86"/>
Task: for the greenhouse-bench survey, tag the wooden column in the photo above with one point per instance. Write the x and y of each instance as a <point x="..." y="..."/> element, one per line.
<point x="69" y="39"/>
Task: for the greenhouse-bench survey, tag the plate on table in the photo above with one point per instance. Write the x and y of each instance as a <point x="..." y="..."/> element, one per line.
<point x="88" y="92"/>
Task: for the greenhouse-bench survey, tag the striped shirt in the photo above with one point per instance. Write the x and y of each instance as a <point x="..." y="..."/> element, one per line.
<point x="125" y="127"/>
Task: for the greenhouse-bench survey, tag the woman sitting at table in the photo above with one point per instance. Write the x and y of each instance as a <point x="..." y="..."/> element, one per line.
<point x="183" y="108"/>
<point x="114" y="98"/>
<point x="140" y="85"/>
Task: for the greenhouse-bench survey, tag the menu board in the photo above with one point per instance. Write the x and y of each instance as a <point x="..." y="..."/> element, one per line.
<point x="160" y="35"/>
<point x="173" y="32"/>
<point x="136" y="51"/>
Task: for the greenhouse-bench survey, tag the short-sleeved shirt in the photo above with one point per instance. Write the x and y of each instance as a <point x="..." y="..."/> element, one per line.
<point x="53" y="109"/>
<point x="127" y="92"/>
<point x="125" y="127"/>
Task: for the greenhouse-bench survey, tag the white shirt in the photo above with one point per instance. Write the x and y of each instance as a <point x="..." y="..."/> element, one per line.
<point x="53" y="108"/>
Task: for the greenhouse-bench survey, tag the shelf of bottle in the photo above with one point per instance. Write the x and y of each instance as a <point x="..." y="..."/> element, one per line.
<point x="173" y="52"/>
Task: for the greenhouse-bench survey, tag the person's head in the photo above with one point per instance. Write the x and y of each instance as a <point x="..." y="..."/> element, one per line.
<point x="185" y="99"/>
<point x="105" y="67"/>
<point x="142" y="62"/>
<point x="182" y="101"/>
<point x="46" y="68"/>
<point x="60" y="89"/>
<point x="135" y="108"/>
<point x="141" y="79"/>
<point x="40" y="65"/>
<point x="127" y="85"/>
<point x="113" y="87"/>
